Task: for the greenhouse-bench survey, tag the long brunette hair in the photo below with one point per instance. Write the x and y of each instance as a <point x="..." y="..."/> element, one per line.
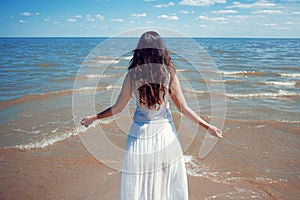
<point x="153" y="69"/>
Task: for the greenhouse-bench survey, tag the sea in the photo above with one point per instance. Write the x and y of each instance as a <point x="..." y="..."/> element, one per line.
<point x="258" y="93"/>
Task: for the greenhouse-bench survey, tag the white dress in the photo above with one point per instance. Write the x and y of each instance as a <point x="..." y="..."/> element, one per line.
<point x="153" y="167"/>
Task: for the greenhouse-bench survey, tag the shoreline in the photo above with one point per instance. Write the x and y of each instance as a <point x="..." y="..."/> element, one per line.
<point x="58" y="173"/>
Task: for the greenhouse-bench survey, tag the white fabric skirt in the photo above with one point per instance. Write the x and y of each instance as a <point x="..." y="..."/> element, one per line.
<point x="153" y="167"/>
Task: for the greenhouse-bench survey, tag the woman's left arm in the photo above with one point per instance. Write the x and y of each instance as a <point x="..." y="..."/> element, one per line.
<point x="120" y="104"/>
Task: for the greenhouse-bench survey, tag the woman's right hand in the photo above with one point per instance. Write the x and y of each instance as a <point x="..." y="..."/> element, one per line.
<point x="88" y="120"/>
<point x="214" y="131"/>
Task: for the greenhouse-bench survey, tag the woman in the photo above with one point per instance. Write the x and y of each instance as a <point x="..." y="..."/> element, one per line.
<point x="153" y="166"/>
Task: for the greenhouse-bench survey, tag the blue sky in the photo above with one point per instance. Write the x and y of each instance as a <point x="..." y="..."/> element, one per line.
<point x="194" y="18"/>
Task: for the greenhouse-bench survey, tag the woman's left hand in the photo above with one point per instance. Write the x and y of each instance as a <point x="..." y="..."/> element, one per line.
<point x="88" y="120"/>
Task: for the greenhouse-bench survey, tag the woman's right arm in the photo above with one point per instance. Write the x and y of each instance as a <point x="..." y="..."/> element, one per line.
<point x="180" y="102"/>
<point x="121" y="102"/>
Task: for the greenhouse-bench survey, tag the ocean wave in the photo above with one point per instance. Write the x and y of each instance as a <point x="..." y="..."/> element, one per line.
<point x="127" y="57"/>
<point x="119" y="67"/>
<point x="47" y="64"/>
<point x="31" y="97"/>
<point x="242" y="73"/>
<point x="197" y="169"/>
<point x="52" y="139"/>
<point x="229" y="82"/>
<point x="291" y="75"/>
<point x="194" y="91"/>
<point x="102" y="60"/>
<point x="280" y="83"/>
<point x="27" y="131"/>
<point x="280" y="93"/>
<point x="46" y="142"/>
<point x="224" y="51"/>
<point x="194" y="168"/>
<point x="182" y="70"/>
<point x="110" y="87"/>
<point x="263" y="123"/>
<point x="107" y="62"/>
<point x="92" y="76"/>
<point x="290" y="121"/>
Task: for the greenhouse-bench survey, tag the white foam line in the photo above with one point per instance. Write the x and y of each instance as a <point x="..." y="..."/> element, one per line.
<point x="280" y="93"/>
<point x="278" y="83"/>
<point x="48" y="141"/>
<point x="292" y="75"/>
<point x="194" y="91"/>
<point x="235" y="72"/>
<point x="91" y="76"/>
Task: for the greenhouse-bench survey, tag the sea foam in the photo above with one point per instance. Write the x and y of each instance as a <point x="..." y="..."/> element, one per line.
<point x="291" y="75"/>
<point x="280" y="93"/>
<point x="280" y="83"/>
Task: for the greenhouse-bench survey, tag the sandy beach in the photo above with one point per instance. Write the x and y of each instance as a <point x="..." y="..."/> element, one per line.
<point x="61" y="175"/>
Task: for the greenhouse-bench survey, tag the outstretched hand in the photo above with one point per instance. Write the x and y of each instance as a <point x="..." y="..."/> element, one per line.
<point x="88" y="120"/>
<point x="214" y="131"/>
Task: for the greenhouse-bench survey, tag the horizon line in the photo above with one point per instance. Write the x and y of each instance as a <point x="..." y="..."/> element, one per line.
<point x="204" y="37"/>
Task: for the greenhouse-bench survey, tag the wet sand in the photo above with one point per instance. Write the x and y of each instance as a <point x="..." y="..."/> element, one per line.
<point x="57" y="173"/>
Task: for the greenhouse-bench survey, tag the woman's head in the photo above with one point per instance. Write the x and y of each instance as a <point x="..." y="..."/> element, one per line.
<point x="151" y="40"/>
<point x="150" y="49"/>
<point x="152" y="68"/>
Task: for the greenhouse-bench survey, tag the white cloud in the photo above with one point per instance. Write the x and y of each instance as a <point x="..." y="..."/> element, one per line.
<point x="100" y="17"/>
<point x="257" y="4"/>
<point x="268" y="12"/>
<point x="202" y="18"/>
<point x="214" y="19"/>
<point x="47" y="19"/>
<point x="72" y="20"/>
<point x="275" y="26"/>
<point x="116" y="20"/>
<point x="22" y="21"/>
<point x="290" y="23"/>
<point x="186" y="12"/>
<point x="246" y="19"/>
<point x="224" y="11"/>
<point x="139" y="15"/>
<point x="150" y="22"/>
<point x="200" y="2"/>
<point x="28" y="14"/>
<point x="168" y="17"/>
<point x="164" y="5"/>
<point x="89" y="18"/>
<point x="78" y="16"/>
<point x="271" y="25"/>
